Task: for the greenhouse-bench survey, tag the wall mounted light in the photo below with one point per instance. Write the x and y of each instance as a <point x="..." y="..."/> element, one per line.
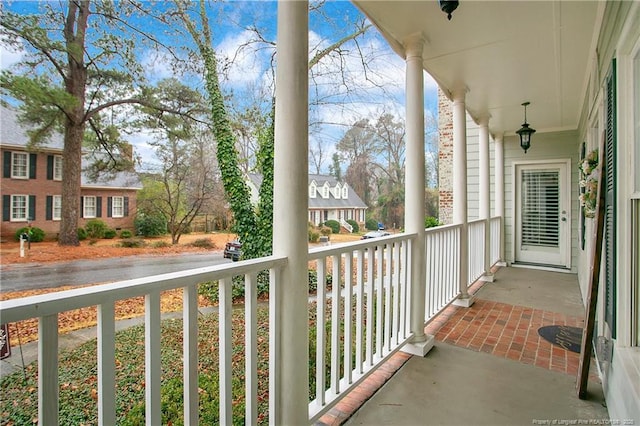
<point x="525" y="131"/>
<point x="448" y="6"/>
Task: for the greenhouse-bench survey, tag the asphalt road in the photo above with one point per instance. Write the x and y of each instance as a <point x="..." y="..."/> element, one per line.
<point x="52" y="275"/>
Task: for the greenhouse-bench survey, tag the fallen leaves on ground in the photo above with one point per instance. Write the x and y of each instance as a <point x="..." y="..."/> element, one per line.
<point x="50" y="251"/>
<point x="27" y="331"/>
<point x="45" y="252"/>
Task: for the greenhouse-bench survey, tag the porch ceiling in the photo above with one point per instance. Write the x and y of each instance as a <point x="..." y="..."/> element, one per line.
<point x="504" y="53"/>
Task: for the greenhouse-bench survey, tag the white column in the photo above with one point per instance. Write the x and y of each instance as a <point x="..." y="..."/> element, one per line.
<point x="290" y="206"/>
<point x="499" y="189"/>
<point x="420" y="344"/>
<point x="460" y="214"/>
<point x="485" y="195"/>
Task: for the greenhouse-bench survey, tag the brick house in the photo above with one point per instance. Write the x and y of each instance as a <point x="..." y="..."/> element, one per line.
<point x="31" y="186"/>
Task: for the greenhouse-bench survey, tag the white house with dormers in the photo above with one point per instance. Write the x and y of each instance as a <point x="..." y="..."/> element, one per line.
<point x="329" y="199"/>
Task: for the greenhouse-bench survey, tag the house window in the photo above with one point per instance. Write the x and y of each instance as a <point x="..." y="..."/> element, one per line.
<point x="89" y="207"/>
<point x="20" y="165"/>
<point x="117" y="207"/>
<point x="325" y="191"/>
<point x="57" y="167"/>
<point x="56" y="207"/>
<point x="19" y="208"/>
<point x="312" y="191"/>
<point x="345" y="192"/>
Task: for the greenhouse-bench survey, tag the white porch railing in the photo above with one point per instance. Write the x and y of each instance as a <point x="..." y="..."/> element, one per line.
<point x="364" y="320"/>
<point x="495" y="225"/>
<point x="476" y="249"/>
<point x="367" y="310"/>
<point x="442" y="263"/>
<point x="47" y="307"/>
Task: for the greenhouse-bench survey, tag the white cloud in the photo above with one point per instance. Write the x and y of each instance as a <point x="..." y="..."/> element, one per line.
<point x="243" y="63"/>
<point x="157" y="65"/>
<point x="9" y="55"/>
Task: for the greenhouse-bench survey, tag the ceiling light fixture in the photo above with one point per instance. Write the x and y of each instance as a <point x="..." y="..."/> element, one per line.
<point x="448" y="6"/>
<point x="525" y="131"/>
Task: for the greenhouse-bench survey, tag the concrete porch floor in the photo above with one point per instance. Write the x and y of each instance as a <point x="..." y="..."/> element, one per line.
<point x="489" y="365"/>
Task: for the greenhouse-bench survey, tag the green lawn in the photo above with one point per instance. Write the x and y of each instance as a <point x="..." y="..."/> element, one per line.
<point x="78" y="375"/>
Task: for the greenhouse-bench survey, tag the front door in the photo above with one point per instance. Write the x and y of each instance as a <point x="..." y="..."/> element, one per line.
<point x="543" y="222"/>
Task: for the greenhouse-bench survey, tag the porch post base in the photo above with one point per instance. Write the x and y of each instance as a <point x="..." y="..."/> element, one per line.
<point x="487" y="278"/>
<point x="502" y="264"/>
<point x="420" y="348"/>
<point x="464" y="302"/>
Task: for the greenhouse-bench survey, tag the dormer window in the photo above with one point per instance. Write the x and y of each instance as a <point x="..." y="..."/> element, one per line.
<point x="325" y="191"/>
<point x="345" y="192"/>
<point x="312" y="190"/>
<point x="336" y="191"/>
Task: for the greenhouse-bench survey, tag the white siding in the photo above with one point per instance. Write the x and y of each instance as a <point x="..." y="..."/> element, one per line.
<point x="544" y="146"/>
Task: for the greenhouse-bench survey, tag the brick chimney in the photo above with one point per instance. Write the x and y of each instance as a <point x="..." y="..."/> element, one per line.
<point x="445" y="158"/>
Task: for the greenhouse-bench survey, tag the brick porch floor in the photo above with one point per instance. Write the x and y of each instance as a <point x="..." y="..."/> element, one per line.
<point x="499" y="329"/>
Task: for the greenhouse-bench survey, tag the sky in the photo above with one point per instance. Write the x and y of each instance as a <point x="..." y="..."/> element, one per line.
<point x="380" y="86"/>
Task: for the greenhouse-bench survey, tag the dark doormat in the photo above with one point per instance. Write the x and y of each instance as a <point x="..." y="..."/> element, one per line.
<point x="569" y="338"/>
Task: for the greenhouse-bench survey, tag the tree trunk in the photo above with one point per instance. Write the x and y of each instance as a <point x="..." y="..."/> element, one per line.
<point x="72" y="157"/>
<point x="75" y="85"/>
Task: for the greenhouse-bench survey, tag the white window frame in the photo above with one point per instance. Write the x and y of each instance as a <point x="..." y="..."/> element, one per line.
<point x="56" y="207"/>
<point x="337" y="192"/>
<point x="117" y="210"/>
<point x="345" y="192"/>
<point x="89" y="209"/>
<point x="15" y="163"/>
<point x="325" y="191"/>
<point x="57" y="167"/>
<point x="312" y="191"/>
<point x="14" y="199"/>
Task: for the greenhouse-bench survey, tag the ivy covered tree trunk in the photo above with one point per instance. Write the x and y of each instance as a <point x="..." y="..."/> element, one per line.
<point x="252" y="224"/>
<point x="238" y="194"/>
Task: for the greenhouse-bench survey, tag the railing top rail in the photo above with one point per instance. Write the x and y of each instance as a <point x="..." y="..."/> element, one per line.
<point x="442" y="228"/>
<point x="53" y="303"/>
<point x="495" y="217"/>
<point x="320" y="252"/>
<point x="474" y="221"/>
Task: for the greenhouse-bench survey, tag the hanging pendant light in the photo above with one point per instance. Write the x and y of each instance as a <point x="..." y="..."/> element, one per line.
<point x="448" y="6"/>
<point x="525" y="131"/>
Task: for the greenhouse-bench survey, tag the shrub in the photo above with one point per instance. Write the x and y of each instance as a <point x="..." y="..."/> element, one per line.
<point x="325" y="230"/>
<point x="35" y="234"/>
<point x="371" y="224"/>
<point x="109" y="233"/>
<point x="313" y="280"/>
<point x="150" y="225"/>
<point x="430" y="222"/>
<point x="203" y="243"/>
<point x="354" y="224"/>
<point x="334" y="225"/>
<point x="314" y="236"/>
<point x="95" y="228"/>
<point x="125" y="233"/>
<point x="132" y="243"/>
<point x="209" y="289"/>
<point x="160" y="244"/>
<point x="82" y="234"/>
